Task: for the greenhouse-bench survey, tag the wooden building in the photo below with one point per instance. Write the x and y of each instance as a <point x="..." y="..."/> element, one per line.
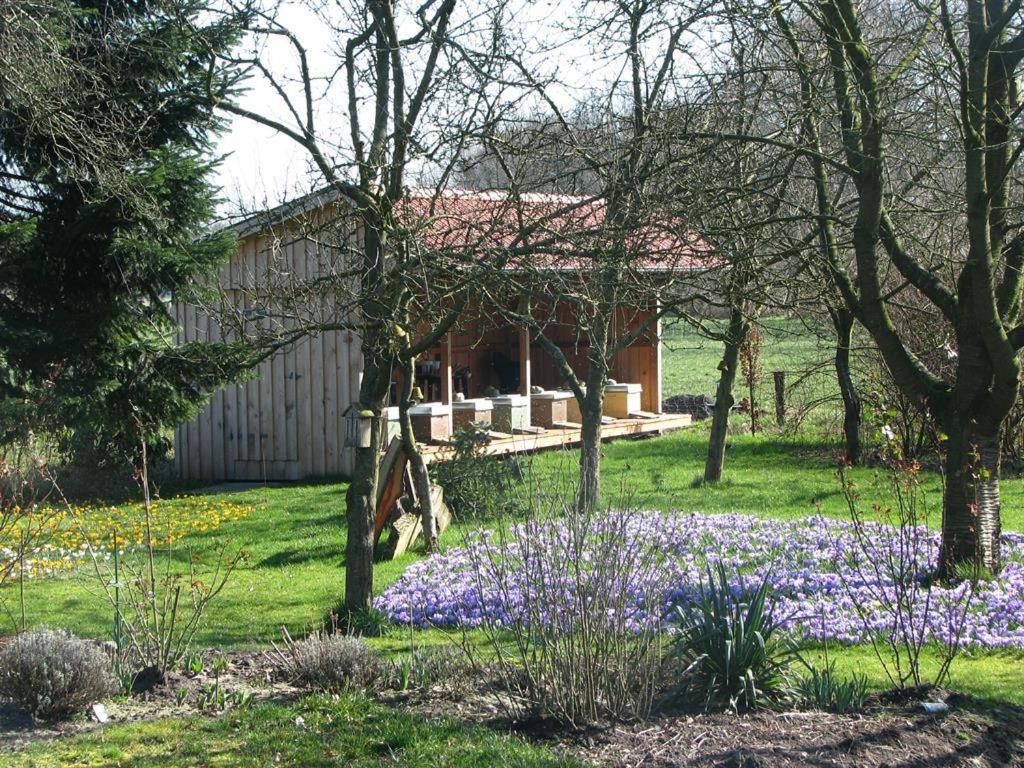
<point x="286" y="422"/>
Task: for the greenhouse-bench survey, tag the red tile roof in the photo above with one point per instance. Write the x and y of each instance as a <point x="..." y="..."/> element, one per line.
<point x="530" y="230"/>
<point x="547" y="231"/>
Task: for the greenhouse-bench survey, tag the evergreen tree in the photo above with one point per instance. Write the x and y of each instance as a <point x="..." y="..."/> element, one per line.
<point x="109" y="223"/>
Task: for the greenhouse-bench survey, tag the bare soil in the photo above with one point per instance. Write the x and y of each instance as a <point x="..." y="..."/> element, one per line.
<point x="888" y="734"/>
<point x="890" y="737"/>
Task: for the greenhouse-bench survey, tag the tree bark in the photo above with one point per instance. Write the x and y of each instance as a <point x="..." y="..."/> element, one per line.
<point x="361" y="499"/>
<point x="378" y="357"/>
<point x="724" y="399"/>
<point x="971" y="506"/>
<point x="591" y="410"/>
<point x="417" y="466"/>
<point x="842" y="320"/>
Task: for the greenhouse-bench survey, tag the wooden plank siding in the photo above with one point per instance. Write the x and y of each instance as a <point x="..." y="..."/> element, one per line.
<point x="285" y="423"/>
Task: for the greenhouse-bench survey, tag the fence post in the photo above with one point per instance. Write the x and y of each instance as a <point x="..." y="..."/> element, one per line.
<point x="780" y="397"/>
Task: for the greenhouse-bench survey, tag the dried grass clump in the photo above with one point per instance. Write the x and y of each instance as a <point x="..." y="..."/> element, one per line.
<point x="54" y="675"/>
<point x="331" y="662"/>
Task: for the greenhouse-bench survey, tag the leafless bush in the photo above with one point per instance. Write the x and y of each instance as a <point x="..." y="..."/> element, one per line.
<point x="573" y="636"/>
<point x="25" y="516"/>
<point x="889" y="575"/>
<point x="158" y="604"/>
<point x="894" y="418"/>
<point x="330" y="662"/>
<point x="53" y="675"/>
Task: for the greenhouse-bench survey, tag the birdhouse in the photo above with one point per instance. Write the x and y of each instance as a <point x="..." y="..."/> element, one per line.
<point x="358" y="427"/>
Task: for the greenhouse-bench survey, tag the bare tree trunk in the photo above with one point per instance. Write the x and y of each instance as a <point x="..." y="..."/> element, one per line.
<point x="842" y="319"/>
<point x="591" y="410"/>
<point x="724" y="398"/>
<point x="361" y="499"/>
<point x="592" y="405"/>
<point x="971" y="506"/>
<point x="418" y="467"/>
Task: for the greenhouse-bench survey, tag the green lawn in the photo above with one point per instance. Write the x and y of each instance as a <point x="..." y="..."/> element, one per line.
<point x="293" y="572"/>
<point x="295" y="539"/>
<point x="690" y="359"/>
<point x="783" y="477"/>
<point x="315" y="732"/>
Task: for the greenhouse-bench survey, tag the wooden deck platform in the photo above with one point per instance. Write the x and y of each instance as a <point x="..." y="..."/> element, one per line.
<point x="570" y="436"/>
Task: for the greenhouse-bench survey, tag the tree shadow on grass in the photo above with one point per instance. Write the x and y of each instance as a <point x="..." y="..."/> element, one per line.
<point x="301" y="556"/>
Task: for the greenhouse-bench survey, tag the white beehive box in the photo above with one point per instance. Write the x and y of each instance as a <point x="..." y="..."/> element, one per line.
<point x="511" y="412"/>
<point x="620" y="400"/>
<point x="431" y="422"/>
<point x="471" y="411"/>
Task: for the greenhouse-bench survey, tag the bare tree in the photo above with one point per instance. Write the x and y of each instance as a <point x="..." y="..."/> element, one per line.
<point x="612" y="256"/>
<point x="732" y="192"/>
<point x="881" y="100"/>
<point x="407" y="84"/>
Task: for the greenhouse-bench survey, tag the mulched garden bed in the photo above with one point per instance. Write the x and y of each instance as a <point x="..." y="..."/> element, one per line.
<point x="902" y="737"/>
<point x="889" y="733"/>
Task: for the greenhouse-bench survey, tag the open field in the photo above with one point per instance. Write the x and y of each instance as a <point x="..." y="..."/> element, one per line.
<point x="690" y="360"/>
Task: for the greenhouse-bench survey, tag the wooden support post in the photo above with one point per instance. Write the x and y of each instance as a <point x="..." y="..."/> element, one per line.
<point x="657" y="358"/>
<point x="524" y="368"/>
<point x="780" y="397"/>
<point x="447" y="382"/>
<point x="524" y="361"/>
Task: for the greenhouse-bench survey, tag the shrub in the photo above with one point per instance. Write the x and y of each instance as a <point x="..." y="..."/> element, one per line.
<point x="54" y="675"/>
<point x="158" y="603"/>
<point x="890" y="583"/>
<point x="26" y="519"/>
<point x="331" y="662"/>
<point x="824" y="689"/>
<point x="575" y="637"/>
<point x="477" y="486"/>
<point x="729" y="646"/>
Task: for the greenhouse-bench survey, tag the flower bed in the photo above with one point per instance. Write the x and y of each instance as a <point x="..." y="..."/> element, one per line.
<point x="819" y="569"/>
<point x="64" y="537"/>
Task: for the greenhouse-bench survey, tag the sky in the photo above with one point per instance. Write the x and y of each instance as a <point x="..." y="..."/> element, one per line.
<point x="260" y="167"/>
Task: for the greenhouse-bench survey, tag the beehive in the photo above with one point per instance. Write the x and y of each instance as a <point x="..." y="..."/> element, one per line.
<point x="431" y="422"/>
<point x="620" y="400"/>
<point x="474" y="411"/>
<point x="550" y="407"/>
<point x="511" y="412"/>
